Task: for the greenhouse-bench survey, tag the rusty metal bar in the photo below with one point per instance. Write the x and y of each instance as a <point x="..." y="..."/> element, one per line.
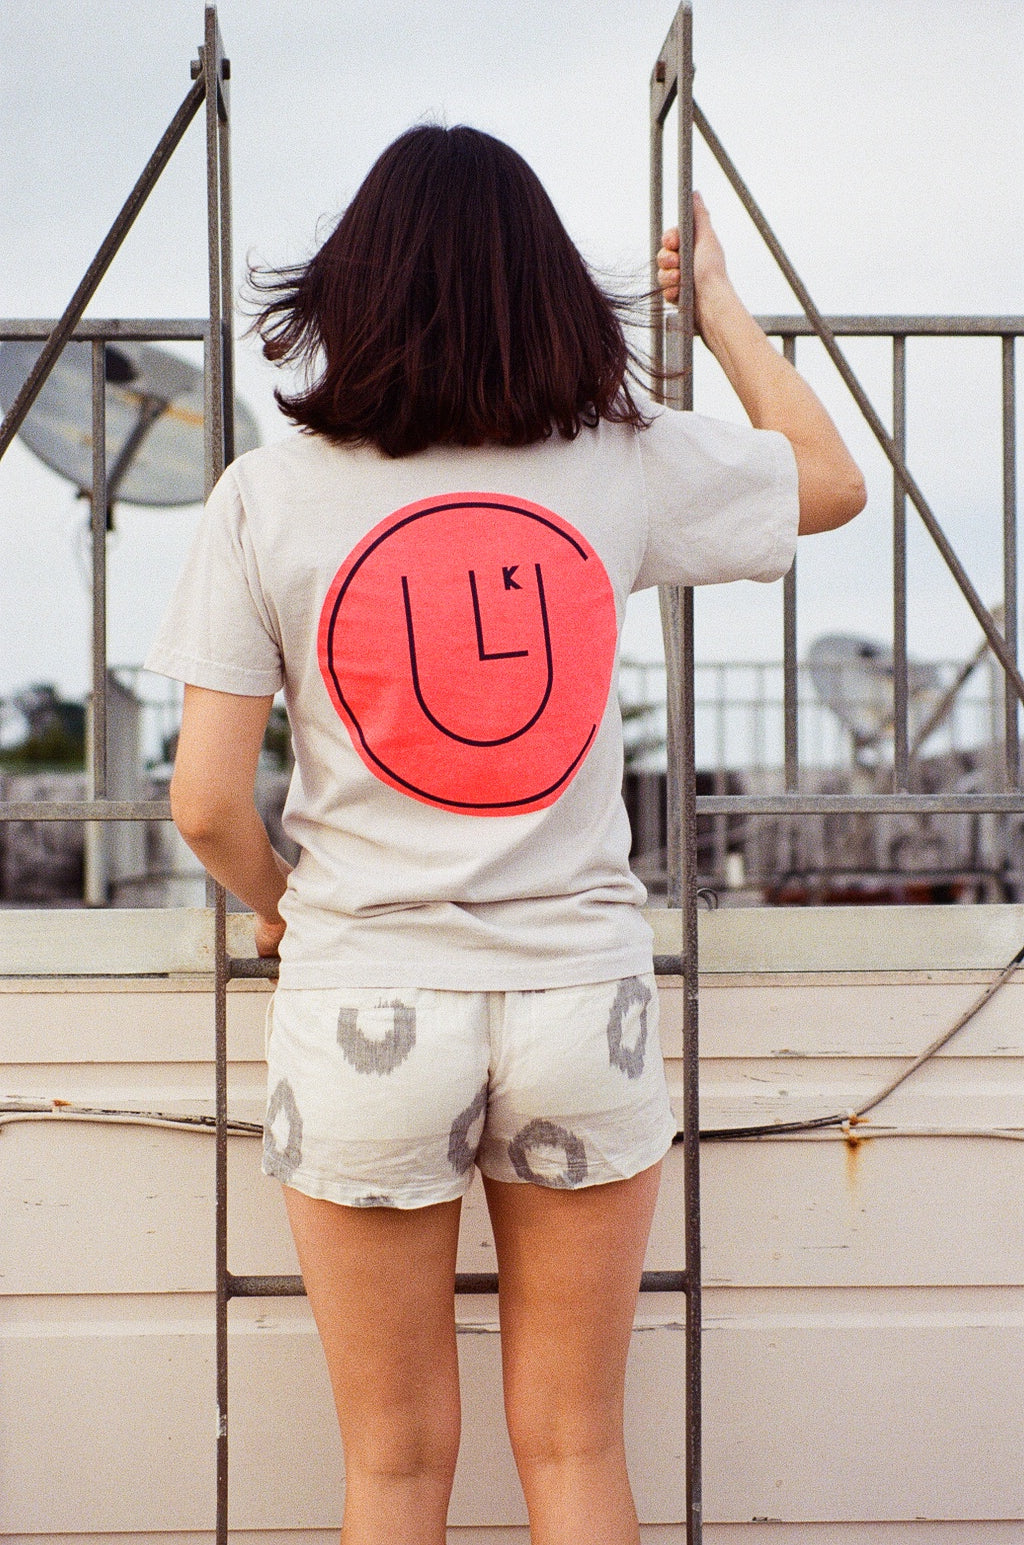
<point x="790" y="676"/>
<point x="691" y="1082"/>
<point x="901" y="769"/>
<point x="249" y="968"/>
<point x="221" y="1202"/>
<point x="465" y="1282"/>
<point x="672" y="82"/>
<point x="706" y="804"/>
<point x="94" y="885"/>
<point x="858" y="804"/>
<point x="720" y="785"/>
<point x="85" y="810"/>
<point x="1012" y="713"/>
<point x="101" y="262"/>
<point x="217" y="438"/>
<point x="226" y="274"/>
<point x="213" y="66"/>
<point x="663" y="93"/>
<point x="677" y="390"/>
<point x="98" y="758"/>
<point x="679" y="394"/>
<point x="898" y="326"/>
<point x="688" y="821"/>
<point x="827" y="336"/>
<point x="670" y="606"/>
<point x="657" y="196"/>
<point x="130" y="330"/>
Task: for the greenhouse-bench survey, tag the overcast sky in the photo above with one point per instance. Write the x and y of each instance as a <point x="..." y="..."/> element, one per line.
<point x="883" y="138"/>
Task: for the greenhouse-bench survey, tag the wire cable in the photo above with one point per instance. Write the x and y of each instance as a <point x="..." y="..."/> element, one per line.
<point x="850" y="1119"/>
<point x="845" y="1122"/>
<point x="66" y="1110"/>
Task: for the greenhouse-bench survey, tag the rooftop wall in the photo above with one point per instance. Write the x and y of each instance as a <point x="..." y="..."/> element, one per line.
<point x="863" y="1350"/>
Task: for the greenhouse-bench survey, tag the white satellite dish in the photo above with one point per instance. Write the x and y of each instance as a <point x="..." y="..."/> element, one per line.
<point x="154" y="412"/>
<point x="854" y="678"/>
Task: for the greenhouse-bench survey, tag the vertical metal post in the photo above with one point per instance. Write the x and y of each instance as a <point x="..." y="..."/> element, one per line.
<point x="98" y="759"/>
<point x="790" y="683"/>
<point x="226" y="271"/>
<point x="95" y="889"/>
<point x="673" y="81"/>
<point x="670" y="603"/>
<point x="1012" y="712"/>
<point x="790" y="677"/>
<point x="213" y="68"/>
<point x="901" y="737"/>
<point x="220" y="1224"/>
<point x="720" y="781"/>
<point x="688" y="819"/>
<point x="678" y="642"/>
<point x="656" y="221"/>
<point x="668" y="599"/>
<point x="218" y="435"/>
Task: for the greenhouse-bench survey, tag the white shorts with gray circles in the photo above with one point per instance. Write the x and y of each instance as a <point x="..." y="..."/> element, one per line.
<point x="382" y="1098"/>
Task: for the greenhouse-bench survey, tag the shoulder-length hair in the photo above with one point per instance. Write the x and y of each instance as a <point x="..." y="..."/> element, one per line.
<point x="448" y="306"/>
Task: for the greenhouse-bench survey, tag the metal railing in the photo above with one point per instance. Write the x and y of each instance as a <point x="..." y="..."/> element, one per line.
<point x="210" y="73"/>
<point x="210" y="76"/>
<point x="672" y="83"/>
<point x="956" y="744"/>
<point x="672" y="87"/>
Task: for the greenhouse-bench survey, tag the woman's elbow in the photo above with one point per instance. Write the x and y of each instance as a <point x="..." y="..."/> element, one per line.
<point x="198" y="816"/>
<point x="832" y="502"/>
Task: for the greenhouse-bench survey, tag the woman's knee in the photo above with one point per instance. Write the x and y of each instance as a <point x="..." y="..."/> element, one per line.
<point x="559" y="1425"/>
<point x="406" y="1443"/>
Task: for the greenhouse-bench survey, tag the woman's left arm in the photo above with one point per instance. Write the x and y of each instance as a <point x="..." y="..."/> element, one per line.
<point x="213" y="807"/>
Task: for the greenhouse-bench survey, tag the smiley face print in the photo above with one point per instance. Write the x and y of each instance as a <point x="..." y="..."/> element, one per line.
<point x="468" y="643"/>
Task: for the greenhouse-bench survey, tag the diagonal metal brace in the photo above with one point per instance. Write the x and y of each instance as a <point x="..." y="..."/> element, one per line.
<point x="986" y="621"/>
<point x="63" y="329"/>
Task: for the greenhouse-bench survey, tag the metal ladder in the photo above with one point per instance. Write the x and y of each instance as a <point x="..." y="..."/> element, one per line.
<point x="671" y="86"/>
<point x="674" y="67"/>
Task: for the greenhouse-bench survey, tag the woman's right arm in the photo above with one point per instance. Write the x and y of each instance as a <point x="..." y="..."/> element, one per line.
<point x="773" y="395"/>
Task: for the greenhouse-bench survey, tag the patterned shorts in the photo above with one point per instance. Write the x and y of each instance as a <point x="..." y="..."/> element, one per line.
<point x="388" y="1098"/>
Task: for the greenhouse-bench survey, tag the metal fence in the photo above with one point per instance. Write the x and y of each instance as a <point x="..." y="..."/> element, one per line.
<point x="756" y="859"/>
<point x="671" y="88"/>
<point x="210" y="75"/>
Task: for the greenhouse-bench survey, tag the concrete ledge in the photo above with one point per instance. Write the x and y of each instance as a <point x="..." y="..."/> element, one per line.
<point x="754" y="940"/>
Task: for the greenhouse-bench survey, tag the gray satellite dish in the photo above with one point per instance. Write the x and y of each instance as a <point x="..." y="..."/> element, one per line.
<point x="154" y="419"/>
<point x="854" y="677"/>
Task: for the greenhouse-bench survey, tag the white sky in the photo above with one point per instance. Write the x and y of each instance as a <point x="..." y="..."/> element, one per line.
<point x="883" y="138"/>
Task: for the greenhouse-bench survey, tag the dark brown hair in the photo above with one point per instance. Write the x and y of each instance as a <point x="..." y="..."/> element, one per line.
<point x="448" y="306"/>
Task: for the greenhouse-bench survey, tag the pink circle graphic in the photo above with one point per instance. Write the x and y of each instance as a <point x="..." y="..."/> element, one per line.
<point x="468" y="644"/>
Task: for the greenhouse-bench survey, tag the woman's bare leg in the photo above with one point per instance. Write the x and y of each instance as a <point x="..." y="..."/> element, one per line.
<point x="380" y="1282"/>
<point x="569" y="1265"/>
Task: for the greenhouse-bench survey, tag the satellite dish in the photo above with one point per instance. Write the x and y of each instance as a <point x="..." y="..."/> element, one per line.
<point x="155" y="409"/>
<point x="854" y="677"/>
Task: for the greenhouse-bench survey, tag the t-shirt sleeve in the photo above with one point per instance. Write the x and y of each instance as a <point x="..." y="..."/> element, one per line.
<point x="722" y="501"/>
<point x="218" y="630"/>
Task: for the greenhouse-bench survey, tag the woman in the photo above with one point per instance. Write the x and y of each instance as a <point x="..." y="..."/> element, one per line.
<point x="435" y="569"/>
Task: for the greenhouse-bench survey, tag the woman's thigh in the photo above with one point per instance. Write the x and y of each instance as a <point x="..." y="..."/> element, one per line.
<point x="380" y="1282"/>
<point x="569" y="1264"/>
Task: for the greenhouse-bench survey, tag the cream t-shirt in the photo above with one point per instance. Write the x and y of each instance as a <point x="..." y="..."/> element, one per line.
<point x="445" y="628"/>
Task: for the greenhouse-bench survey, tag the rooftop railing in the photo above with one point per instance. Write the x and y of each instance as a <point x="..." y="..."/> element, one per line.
<point x="671" y="88"/>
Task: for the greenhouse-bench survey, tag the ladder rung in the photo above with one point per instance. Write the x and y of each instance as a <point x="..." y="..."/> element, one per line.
<point x="669" y="965"/>
<point x="242" y="967"/>
<point x="246" y="967"/>
<point x="465" y="1282"/>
